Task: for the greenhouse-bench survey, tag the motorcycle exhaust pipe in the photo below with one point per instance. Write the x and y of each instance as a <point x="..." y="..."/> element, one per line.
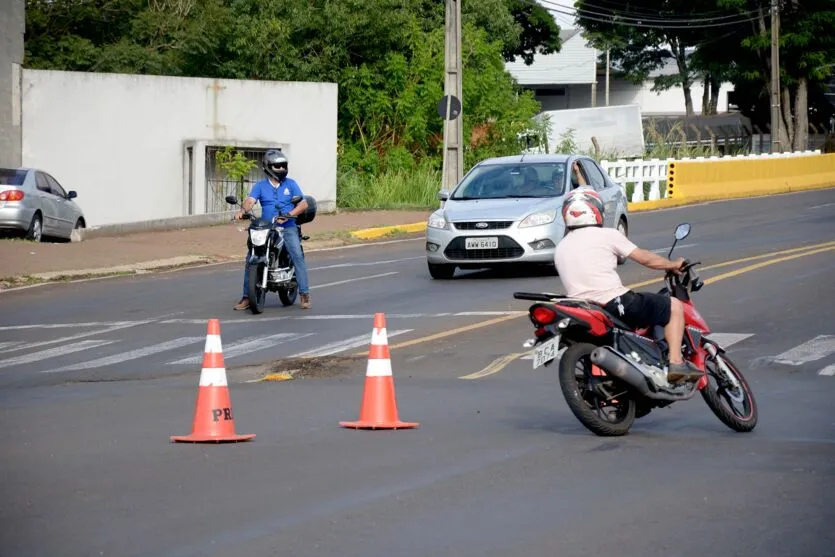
<point x="619" y="365"/>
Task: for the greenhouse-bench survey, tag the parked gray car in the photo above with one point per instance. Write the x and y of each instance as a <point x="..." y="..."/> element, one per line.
<point x="33" y="202"/>
<point x="507" y="210"/>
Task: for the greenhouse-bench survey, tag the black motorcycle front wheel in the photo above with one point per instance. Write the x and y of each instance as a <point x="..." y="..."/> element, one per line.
<point x="288" y="295"/>
<point x="257" y="294"/>
<point x="733" y="404"/>
<point x="601" y="404"/>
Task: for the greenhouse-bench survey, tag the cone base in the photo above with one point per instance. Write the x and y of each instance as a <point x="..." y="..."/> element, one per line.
<point x="195" y="438"/>
<point x="380" y="425"/>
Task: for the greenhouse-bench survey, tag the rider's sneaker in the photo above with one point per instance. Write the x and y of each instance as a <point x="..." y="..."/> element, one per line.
<point x="243" y="304"/>
<point x="682" y="372"/>
<point x="305" y="299"/>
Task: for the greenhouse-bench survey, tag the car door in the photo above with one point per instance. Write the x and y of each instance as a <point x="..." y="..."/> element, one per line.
<point x="601" y="186"/>
<point x="48" y="204"/>
<point x="66" y="215"/>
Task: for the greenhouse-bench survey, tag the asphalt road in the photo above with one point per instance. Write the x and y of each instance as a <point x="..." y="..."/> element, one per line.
<point x="499" y="465"/>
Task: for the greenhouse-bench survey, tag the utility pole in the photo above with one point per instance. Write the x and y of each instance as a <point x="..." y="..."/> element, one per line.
<point x="594" y="83"/>
<point x="453" y="165"/>
<point x="775" y="76"/>
<point x="608" y="63"/>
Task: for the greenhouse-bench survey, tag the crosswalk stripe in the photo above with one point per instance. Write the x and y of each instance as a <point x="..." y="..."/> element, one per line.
<point x="114" y="327"/>
<point x="342" y="345"/>
<point x="9" y="344"/>
<point x="828" y="370"/>
<point x="64" y="325"/>
<point x="131" y="355"/>
<point x="246" y="346"/>
<point x="818" y="348"/>
<point x="54" y="352"/>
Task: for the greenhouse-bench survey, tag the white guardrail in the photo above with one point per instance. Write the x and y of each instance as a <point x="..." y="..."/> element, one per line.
<point x="654" y="171"/>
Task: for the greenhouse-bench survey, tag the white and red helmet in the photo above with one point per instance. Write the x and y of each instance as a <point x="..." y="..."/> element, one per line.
<point x="582" y="207"/>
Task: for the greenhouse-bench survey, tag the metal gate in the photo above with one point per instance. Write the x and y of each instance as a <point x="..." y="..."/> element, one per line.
<point x="218" y="186"/>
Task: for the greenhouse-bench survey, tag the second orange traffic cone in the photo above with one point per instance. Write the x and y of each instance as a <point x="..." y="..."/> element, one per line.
<point x="379" y="404"/>
<point x="213" y="421"/>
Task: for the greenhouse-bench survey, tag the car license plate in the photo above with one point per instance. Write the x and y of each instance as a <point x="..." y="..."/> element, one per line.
<point x="546" y="351"/>
<point x="490" y="242"/>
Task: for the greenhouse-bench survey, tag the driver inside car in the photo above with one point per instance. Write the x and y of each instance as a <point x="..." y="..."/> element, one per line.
<point x="586" y="260"/>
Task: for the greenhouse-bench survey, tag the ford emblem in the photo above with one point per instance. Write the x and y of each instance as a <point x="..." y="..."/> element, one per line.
<point x="481" y="225"/>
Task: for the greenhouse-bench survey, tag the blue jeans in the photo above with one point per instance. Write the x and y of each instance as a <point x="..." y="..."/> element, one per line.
<point x="293" y="243"/>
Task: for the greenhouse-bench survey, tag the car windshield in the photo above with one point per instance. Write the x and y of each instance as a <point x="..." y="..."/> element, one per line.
<point x="512" y="180"/>
<point x="12" y="177"/>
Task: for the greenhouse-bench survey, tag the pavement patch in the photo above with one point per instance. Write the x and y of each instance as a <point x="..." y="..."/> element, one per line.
<point x="324" y="367"/>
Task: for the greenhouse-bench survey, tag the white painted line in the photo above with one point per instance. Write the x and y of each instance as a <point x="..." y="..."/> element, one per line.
<point x="820" y="206"/>
<point x="66" y="325"/>
<point x="342" y="345"/>
<point x="344" y="317"/>
<point x="132" y="355"/>
<point x="246" y="346"/>
<point x="819" y="347"/>
<point x="678" y="246"/>
<point x="353" y="280"/>
<point x="486" y="313"/>
<point x="828" y="370"/>
<point x="726" y="340"/>
<point x="369" y="244"/>
<point x="366" y="264"/>
<point x="110" y="329"/>
<point x="54" y="352"/>
<point x="9" y="344"/>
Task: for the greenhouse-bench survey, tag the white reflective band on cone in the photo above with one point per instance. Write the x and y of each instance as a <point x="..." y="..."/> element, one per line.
<point x="213" y="344"/>
<point x="213" y="377"/>
<point x="378" y="336"/>
<point x="378" y="368"/>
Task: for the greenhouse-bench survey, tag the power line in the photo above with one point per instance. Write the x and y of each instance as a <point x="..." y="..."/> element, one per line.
<point x="601" y="4"/>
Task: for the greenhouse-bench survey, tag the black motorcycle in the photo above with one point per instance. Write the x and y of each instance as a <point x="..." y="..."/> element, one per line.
<point x="272" y="268"/>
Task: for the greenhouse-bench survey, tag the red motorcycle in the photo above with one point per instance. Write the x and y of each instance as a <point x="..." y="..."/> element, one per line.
<point x="611" y="374"/>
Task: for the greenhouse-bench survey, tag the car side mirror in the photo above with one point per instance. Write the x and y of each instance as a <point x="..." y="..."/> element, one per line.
<point x="682" y="231"/>
<point x="72" y="194"/>
<point x="231" y="200"/>
<point x="443" y="195"/>
<point x="296" y="199"/>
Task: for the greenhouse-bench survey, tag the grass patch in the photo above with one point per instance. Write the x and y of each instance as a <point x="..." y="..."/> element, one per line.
<point x="398" y="189"/>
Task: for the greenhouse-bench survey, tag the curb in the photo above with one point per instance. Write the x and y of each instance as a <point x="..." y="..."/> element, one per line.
<point x="373" y="233"/>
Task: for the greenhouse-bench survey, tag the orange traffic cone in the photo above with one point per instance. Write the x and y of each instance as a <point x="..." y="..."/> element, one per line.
<point x="379" y="407"/>
<point x="213" y="421"/>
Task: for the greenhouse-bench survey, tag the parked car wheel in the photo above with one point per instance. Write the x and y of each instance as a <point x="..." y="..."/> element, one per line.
<point x="440" y="271"/>
<point x="35" y="232"/>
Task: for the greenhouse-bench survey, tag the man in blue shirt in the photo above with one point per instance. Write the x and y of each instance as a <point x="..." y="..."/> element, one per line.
<point x="277" y="190"/>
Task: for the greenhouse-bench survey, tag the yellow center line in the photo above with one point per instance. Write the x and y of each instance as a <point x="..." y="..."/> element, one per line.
<point x="800" y="252"/>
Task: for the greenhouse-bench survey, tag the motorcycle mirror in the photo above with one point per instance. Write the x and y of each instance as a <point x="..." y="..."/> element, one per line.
<point x="231" y="200"/>
<point x="682" y="231"/>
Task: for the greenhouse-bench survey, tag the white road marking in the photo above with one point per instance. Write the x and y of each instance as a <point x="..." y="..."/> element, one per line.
<point x="132" y="355"/>
<point x="95" y="332"/>
<point x="353" y="280"/>
<point x="335" y="317"/>
<point x="66" y="325"/>
<point x="726" y="340"/>
<point x="820" y="206"/>
<point x="54" y="352"/>
<point x="246" y="346"/>
<point x="488" y="313"/>
<point x="365" y="264"/>
<point x="678" y="246"/>
<point x="819" y="347"/>
<point x="9" y="344"/>
<point x="828" y="370"/>
<point x="342" y="345"/>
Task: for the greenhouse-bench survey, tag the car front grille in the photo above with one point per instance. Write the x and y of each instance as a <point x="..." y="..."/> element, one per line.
<point x="508" y="249"/>
<point x="491" y="225"/>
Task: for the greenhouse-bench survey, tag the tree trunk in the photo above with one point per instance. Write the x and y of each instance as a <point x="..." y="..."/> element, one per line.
<point x="801" y="113"/>
<point x="706" y="96"/>
<point x="715" y="86"/>
<point x="787" y="122"/>
<point x="684" y="72"/>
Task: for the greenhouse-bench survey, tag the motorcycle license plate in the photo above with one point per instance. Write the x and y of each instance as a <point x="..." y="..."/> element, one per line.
<point x="546" y="352"/>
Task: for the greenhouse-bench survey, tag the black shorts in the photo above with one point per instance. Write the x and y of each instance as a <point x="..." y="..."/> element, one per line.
<point x="641" y="309"/>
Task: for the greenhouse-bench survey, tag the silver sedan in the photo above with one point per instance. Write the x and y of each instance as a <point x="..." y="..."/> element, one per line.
<point x="33" y="202"/>
<point x="507" y="210"/>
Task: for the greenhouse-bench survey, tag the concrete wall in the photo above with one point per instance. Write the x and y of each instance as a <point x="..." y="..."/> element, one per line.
<point x="121" y="141"/>
<point x="12" y="27"/>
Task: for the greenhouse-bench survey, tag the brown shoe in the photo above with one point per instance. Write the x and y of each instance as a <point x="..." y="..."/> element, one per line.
<point x="305" y="301"/>
<point x="683" y="372"/>
<point x="243" y="304"/>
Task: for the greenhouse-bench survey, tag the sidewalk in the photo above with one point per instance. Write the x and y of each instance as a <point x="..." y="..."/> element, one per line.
<point x="147" y="250"/>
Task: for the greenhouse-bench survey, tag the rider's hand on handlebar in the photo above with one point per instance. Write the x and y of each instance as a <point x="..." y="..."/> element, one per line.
<point x="676" y="266"/>
<point x="239" y="215"/>
<point x="279" y="220"/>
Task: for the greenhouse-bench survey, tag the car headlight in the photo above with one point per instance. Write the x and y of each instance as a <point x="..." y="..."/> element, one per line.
<point x="259" y="237"/>
<point x="538" y="219"/>
<point x="437" y="220"/>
